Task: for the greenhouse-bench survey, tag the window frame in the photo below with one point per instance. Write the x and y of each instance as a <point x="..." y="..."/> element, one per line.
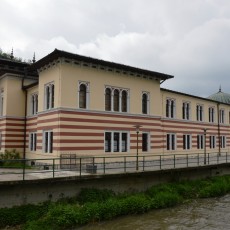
<point x="1" y="102"/>
<point x="148" y="142"/>
<point x="145" y="104"/>
<point x="47" y="147"/>
<point x="221" y="116"/>
<point x="223" y="142"/>
<point x="33" y="141"/>
<point x="170" y="108"/>
<point x="212" y="142"/>
<point x="34" y="103"/>
<point x="118" y="102"/>
<point x="49" y="96"/>
<point x="171" y="141"/>
<point x="1" y="139"/>
<point x="186" y="110"/>
<point x="200" y="141"/>
<point x="199" y="112"/>
<point x="211" y="114"/>
<point x="87" y="94"/>
<point x="187" y="141"/>
<point x="111" y="143"/>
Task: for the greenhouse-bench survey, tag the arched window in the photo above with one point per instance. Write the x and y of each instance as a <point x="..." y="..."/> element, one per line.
<point x="49" y="96"/>
<point x="82" y="96"/>
<point x="124" y="101"/>
<point x="116" y="100"/>
<point x="144" y="103"/>
<point x="108" y="99"/>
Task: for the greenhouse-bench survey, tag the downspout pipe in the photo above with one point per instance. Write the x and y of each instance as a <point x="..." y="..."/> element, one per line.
<point x="218" y="124"/>
<point x="25" y="113"/>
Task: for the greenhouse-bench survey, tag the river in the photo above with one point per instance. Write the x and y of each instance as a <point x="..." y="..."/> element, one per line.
<point x="205" y="214"/>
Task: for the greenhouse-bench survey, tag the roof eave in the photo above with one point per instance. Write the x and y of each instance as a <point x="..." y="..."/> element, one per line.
<point x="63" y="54"/>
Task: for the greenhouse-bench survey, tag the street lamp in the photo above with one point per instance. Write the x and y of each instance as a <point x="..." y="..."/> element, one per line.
<point x="137" y="131"/>
<point x="205" y="132"/>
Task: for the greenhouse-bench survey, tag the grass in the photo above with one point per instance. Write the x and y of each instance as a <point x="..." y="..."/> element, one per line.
<point x="96" y="205"/>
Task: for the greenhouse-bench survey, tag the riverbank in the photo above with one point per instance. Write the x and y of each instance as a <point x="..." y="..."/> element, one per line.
<point x="93" y="205"/>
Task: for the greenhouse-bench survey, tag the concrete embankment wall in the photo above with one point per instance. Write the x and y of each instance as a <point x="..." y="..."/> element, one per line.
<point x="34" y="191"/>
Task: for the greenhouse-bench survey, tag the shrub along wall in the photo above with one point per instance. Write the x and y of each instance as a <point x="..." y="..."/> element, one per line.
<point x="97" y="205"/>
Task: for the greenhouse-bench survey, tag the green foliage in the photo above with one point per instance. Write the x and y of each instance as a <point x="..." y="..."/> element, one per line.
<point x="165" y="199"/>
<point x="10" y="155"/>
<point x="96" y="205"/>
<point x="215" y="187"/>
<point x="8" y="56"/>
<point x="94" y="195"/>
<point x="11" y="159"/>
<point x="21" y="214"/>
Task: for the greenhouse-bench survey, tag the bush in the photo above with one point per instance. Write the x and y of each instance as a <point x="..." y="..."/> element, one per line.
<point x="20" y="214"/>
<point x="10" y="155"/>
<point x="98" y="205"/>
<point x="217" y="186"/>
<point x="94" y="195"/>
<point x="7" y="159"/>
<point x="165" y="199"/>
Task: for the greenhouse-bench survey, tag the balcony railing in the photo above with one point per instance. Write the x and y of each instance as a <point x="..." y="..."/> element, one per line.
<point x="71" y="165"/>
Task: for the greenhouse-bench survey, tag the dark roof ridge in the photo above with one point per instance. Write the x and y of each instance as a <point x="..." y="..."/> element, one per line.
<point x="190" y="95"/>
<point x="59" y="53"/>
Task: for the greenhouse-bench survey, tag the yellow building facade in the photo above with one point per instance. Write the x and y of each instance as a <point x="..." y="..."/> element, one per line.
<point x="68" y="103"/>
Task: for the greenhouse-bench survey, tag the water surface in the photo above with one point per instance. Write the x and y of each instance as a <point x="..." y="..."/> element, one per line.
<point x="205" y="214"/>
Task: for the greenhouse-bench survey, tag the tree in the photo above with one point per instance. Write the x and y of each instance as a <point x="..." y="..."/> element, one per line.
<point x="8" y="56"/>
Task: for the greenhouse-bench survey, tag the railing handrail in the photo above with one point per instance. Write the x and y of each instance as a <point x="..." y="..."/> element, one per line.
<point x="86" y="165"/>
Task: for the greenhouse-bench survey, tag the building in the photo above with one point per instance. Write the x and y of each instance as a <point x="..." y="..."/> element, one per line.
<point x="68" y="103"/>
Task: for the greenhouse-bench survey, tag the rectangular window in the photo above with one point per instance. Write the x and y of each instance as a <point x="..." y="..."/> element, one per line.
<point x="221" y="116"/>
<point x="33" y="141"/>
<point x="199" y="112"/>
<point x="212" y="142"/>
<point x="186" y="141"/>
<point x="186" y="110"/>
<point x="211" y="114"/>
<point x="200" y="141"/>
<point x="171" y="141"/>
<point x="1" y="101"/>
<point x="124" y="146"/>
<point x="145" y="103"/>
<point x="145" y="142"/>
<point x="170" y="108"/>
<point x="49" y="96"/>
<point x="223" y="141"/>
<point x="116" y="141"/>
<point x="48" y="141"/>
<point x="34" y="104"/>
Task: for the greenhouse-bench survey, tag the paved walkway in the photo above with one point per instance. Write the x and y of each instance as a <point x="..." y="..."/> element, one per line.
<point x="10" y="174"/>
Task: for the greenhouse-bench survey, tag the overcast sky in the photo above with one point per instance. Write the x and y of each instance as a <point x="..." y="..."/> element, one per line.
<point x="189" y="39"/>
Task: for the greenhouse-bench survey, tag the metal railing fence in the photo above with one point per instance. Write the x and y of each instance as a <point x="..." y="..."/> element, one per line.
<point x="68" y="166"/>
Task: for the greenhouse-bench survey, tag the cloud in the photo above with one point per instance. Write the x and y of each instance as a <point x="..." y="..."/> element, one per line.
<point x="188" y="39"/>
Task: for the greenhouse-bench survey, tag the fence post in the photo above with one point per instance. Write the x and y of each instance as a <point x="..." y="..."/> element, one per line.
<point x="23" y="171"/>
<point x="104" y="164"/>
<point x="217" y="158"/>
<point x="53" y="166"/>
<point x="143" y="163"/>
<point x="80" y="167"/>
<point x="208" y="158"/>
<point x="160" y="161"/>
<point x="125" y="164"/>
<point x="198" y="159"/>
<point x="174" y="161"/>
